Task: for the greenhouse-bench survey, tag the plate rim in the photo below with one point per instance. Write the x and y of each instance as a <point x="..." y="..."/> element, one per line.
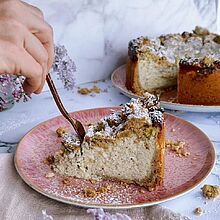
<point x="166" y="104"/>
<point x="110" y="206"/>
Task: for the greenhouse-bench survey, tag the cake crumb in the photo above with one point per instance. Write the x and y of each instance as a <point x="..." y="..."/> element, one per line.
<point x="178" y="148"/>
<point x="49" y="160"/>
<point x="102" y="189"/>
<point x="89" y="192"/>
<point x="60" y="132"/>
<point x="95" y="89"/>
<point x="93" y="181"/>
<point x="50" y="175"/>
<point x="151" y="189"/>
<point x="198" y="211"/>
<point x="66" y="181"/>
<point x="86" y="91"/>
<point x="126" y="185"/>
<point x="210" y="191"/>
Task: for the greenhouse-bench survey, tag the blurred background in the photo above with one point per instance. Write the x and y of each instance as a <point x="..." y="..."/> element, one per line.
<point x="96" y="32"/>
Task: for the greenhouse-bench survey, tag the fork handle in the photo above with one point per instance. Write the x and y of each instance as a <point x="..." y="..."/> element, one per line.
<point x="59" y="102"/>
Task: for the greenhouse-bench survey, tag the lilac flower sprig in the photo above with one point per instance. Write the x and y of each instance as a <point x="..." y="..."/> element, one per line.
<point x="100" y="214"/>
<point x="64" y="67"/>
<point x="11" y="89"/>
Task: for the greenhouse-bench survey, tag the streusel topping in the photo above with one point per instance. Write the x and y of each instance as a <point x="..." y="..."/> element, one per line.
<point x="143" y="108"/>
<point x="174" y="47"/>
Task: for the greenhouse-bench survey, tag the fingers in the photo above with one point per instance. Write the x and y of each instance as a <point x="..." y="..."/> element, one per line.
<point x="34" y="10"/>
<point x="34" y="47"/>
<point x="45" y="34"/>
<point x="18" y="61"/>
<point x="41" y="29"/>
<point x="32" y="41"/>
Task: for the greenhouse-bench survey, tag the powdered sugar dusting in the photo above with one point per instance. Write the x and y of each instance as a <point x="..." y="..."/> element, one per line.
<point x="180" y="174"/>
<point x="174" y="47"/>
<point x="144" y="108"/>
<point x="71" y="139"/>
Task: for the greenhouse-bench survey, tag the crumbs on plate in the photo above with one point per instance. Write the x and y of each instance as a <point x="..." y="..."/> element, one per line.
<point x="178" y="147"/>
<point x="93" y="192"/>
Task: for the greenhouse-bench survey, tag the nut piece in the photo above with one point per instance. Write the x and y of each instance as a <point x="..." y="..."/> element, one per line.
<point x="198" y="211"/>
<point x="210" y="192"/>
<point x="60" y="132"/>
<point x="178" y="147"/>
<point x="89" y="192"/>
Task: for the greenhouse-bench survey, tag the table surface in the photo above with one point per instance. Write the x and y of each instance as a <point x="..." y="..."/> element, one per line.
<point x="15" y="123"/>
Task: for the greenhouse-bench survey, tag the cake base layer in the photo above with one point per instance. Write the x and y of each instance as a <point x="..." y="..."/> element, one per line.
<point x="133" y="157"/>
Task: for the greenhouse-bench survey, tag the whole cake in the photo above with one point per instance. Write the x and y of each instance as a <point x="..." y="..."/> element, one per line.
<point x="127" y="146"/>
<point x="155" y="63"/>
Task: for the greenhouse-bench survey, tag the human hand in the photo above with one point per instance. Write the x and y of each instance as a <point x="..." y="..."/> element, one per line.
<point x="26" y="43"/>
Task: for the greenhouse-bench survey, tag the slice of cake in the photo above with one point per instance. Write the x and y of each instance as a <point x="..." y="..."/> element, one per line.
<point x="153" y="63"/>
<point x="199" y="82"/>
<point x="127" y="145"/>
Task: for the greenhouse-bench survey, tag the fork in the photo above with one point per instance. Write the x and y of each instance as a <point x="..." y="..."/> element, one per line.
<point x="77" y="125"/>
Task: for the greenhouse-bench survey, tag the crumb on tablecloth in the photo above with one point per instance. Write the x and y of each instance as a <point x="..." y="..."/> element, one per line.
<point x="198" y="211"/>
<point x="86" y="91"/>
<point x="210" y="191"/>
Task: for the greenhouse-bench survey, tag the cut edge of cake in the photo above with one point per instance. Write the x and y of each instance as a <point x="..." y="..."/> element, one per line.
<point x="153" y="63"/>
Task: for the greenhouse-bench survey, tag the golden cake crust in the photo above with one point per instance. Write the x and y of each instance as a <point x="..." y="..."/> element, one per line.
<point x="198" y="82"/>
<point x="132" y="79"/>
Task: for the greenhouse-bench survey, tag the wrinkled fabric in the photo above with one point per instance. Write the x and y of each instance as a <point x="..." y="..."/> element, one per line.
<point x="20" y="202"/>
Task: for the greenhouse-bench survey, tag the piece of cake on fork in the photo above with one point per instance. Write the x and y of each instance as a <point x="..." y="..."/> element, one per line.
<point x="127" y="146"/>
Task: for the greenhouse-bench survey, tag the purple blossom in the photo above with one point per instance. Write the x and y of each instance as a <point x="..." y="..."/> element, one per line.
<point x="100" y="214"/>
<point x="64" y="67"/>
<point x="11" y="88"/>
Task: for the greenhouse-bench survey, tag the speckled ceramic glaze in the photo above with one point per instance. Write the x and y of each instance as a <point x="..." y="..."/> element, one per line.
<point x="181" y="174"/>
<point x="119" y="77"/>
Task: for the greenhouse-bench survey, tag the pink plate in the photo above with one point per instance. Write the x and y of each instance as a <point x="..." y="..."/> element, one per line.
<point x="182" y="174"/>
<point x="167" y="98"/>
